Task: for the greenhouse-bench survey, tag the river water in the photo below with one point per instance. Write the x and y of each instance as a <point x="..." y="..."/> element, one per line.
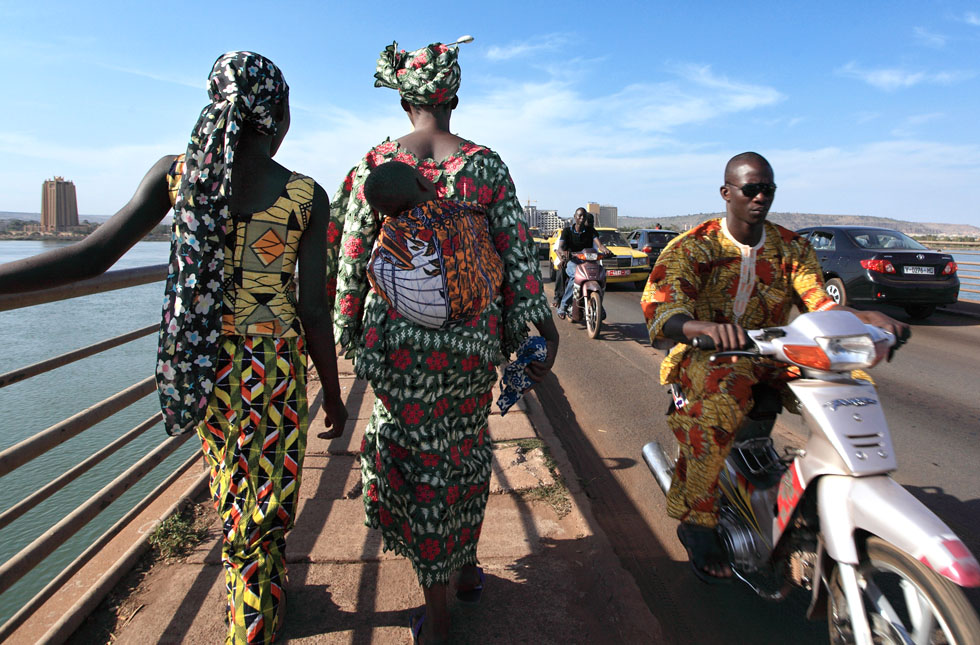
<point x="36" y="333"/>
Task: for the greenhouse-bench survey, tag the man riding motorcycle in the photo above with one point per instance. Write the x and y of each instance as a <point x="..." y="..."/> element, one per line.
<point x="720" y="277"/>
<point x="577" y="237"/>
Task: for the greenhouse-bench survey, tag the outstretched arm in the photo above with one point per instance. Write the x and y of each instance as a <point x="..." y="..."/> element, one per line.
<point x="100" y="250"/>
<point x="315" y="311"/>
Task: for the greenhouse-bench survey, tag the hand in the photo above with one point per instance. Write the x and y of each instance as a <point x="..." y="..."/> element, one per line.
<point x="608" y="254"/>
<point x="537" y="370"/>
<point x="335" y="418"/>
<point x="727" y="336"/>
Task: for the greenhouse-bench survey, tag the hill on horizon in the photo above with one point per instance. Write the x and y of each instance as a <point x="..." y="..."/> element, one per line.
<point x="683" y="222"/>
<point x="795" y="221"/>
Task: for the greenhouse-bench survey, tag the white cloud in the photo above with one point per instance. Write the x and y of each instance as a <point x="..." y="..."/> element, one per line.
<point x="894" y="79"/>
<point x="546" y="42"/>
<point x="972" y="18"/>
<point x="929" y="39"/>
<point x="565" y="145"/>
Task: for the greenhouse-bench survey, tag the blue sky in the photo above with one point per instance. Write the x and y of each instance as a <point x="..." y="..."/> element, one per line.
<point x="868" y="108"/>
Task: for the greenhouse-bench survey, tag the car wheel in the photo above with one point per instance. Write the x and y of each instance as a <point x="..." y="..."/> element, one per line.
<point x="920" y="312"/>
<point x="835" y="289"/>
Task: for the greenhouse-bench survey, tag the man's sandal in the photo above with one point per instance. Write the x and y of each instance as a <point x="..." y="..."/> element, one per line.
<point x="704" y="551"/>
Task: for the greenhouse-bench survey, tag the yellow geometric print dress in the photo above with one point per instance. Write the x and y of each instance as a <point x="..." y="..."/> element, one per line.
<point x="254" y="433"/>
<point x="708" y="275"/>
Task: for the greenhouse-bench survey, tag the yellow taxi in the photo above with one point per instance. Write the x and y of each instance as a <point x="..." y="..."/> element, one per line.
<point x="540" y="242"/>
<point x="627" y="266"/>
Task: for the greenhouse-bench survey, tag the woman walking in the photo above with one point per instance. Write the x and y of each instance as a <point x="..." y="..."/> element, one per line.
<point x="426" y="455"/>
<point x="233" y="346"/>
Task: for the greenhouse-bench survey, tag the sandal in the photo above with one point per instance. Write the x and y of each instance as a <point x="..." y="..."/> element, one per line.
<point x="704" y="551"/>
<point x="471" y="595"/>
<point x="415" y="624"/>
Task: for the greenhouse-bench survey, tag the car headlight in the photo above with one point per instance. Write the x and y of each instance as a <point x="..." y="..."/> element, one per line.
<point x="639" y="262"/>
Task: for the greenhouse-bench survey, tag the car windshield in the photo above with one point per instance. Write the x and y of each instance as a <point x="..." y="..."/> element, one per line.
<point x="612" y="237"/>
<point x="878" y="239"/>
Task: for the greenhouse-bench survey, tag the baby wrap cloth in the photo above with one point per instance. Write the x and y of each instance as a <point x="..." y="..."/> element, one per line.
<point x="515" y="381"/>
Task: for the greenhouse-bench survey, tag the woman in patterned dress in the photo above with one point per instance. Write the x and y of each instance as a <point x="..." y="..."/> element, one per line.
<point x="233" y="341"/>
<point x="426" y="455"/>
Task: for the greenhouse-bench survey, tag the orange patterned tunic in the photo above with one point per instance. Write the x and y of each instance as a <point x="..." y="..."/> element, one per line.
<point x="706" y="274"/>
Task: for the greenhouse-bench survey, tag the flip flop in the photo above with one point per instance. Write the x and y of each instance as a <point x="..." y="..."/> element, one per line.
<point x="472" y="595"/>
<point x="415" y="624"/>
<point x="703" y="550"/>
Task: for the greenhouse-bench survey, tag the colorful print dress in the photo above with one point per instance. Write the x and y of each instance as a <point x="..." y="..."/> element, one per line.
<point x="254" y="432"/>
<point x="426" y="456"/>
<point x="708" y="275"/>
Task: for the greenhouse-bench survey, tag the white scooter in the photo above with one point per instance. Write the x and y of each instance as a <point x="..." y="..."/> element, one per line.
<point x="829" y="518"/>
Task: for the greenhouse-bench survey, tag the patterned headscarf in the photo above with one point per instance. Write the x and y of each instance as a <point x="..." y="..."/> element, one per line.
<point x="427" y="76"/>
<point x="244" y="88"/>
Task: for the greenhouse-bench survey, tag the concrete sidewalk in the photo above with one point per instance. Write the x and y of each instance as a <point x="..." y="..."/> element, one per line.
<point x="552" y="576"/>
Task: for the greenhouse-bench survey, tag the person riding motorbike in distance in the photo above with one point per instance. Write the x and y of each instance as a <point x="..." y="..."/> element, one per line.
<point x="724" y="276"/>
<point x="577" y="237"/>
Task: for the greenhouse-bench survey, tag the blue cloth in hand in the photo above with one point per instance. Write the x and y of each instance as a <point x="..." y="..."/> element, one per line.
<point x="515" y="381"/>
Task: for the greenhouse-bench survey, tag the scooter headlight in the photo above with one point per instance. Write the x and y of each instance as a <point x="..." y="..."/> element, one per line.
<point x="848" y="352"/>
<point x="589" y="256"/>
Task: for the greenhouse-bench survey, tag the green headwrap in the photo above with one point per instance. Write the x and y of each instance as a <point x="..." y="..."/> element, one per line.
<point x="427" y="76"/>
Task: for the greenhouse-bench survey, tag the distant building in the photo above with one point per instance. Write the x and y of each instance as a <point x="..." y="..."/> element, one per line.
<point x="59" y="206"/>
<point x="545" y="220"/>
<point x="605" y="216"/>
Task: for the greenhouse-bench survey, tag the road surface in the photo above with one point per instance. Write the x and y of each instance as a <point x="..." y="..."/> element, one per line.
<point x="604" y="401"/>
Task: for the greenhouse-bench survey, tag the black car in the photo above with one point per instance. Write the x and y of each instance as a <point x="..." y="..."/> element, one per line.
<point x="650" y="241"/>
<point x="864" y="264"/>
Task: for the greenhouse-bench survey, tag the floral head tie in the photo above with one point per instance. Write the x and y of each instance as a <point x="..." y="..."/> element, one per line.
<point x="427" y="76"/>
<point x="245" y="89"/>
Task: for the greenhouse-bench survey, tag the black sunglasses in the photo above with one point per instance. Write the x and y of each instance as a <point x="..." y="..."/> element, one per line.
<point x="751" y="190"/>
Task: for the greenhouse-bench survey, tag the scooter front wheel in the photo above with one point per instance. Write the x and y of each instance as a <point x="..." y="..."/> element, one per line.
<point x="593" y="314"/>
<point x="905" y="602"/>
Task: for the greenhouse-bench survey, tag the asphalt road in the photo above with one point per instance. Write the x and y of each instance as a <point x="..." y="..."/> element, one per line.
<point x="605" y="402"/>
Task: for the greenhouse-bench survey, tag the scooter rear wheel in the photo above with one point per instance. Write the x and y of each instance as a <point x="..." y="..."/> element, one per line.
<point x="905" y="601"/>
<point x="593" y="314"/>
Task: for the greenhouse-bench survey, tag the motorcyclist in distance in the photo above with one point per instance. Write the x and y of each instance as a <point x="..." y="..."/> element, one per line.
<point x="577" y="237"/>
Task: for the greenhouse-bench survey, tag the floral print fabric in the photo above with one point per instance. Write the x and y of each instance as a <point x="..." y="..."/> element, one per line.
<point x="427" y="76"/>
<point x="426" y="457"/>
<point x="707" y="275"/>
<point x="244" y="88"/>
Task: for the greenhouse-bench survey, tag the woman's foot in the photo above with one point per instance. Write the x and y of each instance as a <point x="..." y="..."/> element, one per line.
<point x="469" y="586"/>
<point x="708" y="558"/>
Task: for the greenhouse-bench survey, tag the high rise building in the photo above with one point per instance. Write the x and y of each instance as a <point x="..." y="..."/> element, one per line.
<point x="545" y="220"/>
<point x="59" y="206"/>
<point x="606" y="216"/>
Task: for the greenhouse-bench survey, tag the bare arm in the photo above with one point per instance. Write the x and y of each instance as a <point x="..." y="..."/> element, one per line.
<point x="100" y="250"/>
<point x="315" y="311"/>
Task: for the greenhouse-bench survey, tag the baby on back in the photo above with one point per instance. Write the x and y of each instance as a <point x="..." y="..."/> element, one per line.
<point x="433" y="262"/>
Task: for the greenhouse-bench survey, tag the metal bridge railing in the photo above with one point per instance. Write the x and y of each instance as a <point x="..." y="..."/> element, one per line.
<point x="22" y="453"/>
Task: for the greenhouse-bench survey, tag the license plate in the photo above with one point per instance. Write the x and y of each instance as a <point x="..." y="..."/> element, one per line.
<point x="614" y="273"/>
<point x="918" y="270"/>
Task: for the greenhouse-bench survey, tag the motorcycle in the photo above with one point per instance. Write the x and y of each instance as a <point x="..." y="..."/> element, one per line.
<point x="588" y="289"/>
<point x="828" y="517"/>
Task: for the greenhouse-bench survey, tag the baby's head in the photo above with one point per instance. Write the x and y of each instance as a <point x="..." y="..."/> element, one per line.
<point x="395" y="187"/>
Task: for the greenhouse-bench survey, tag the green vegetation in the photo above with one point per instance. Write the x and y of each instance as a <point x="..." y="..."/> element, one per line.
<point x="556" y="494"/>
<point x="176" y="535"/>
